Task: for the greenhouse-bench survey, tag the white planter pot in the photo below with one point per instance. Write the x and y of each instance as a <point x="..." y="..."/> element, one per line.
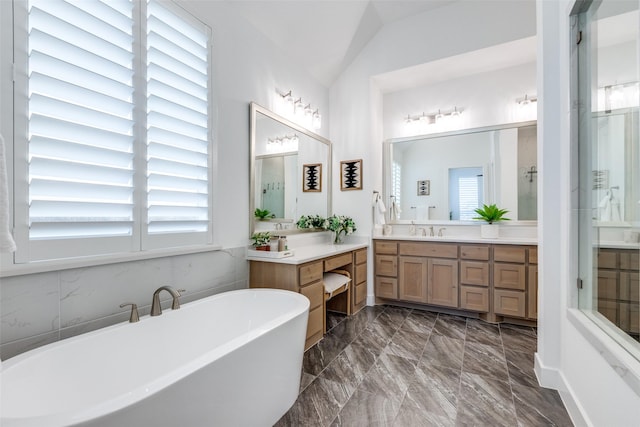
<point x="489" y="231"/>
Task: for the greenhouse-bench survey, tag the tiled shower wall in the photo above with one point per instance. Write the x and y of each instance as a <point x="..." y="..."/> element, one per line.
<point x="38" y="309"/>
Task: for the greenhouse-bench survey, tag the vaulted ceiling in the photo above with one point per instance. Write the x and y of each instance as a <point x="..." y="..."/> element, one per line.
<point x="326" y="35"/>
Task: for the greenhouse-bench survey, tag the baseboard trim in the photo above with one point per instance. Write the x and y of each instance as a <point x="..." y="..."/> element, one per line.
<point x="553" y="378"/>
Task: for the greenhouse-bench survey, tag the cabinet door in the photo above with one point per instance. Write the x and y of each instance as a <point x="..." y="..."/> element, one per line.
<point x="443" y="282"/>
<point x="510" y="276"/>
<point x="412" y="284"/>
<point x="532" y="293"/>
<point x="386" y="265"/>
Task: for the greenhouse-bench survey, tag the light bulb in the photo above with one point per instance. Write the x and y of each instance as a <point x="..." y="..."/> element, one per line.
<point x="439" y="116"/>
<point x="455" y="112"/>
<point x="317" y="120"/>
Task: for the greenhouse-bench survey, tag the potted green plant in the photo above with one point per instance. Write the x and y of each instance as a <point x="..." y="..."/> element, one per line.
<point x="340" y="224"/>
<point x="310" y="222"/>
<point x="491" y="214"/>
<point x="263" y="214"/>
<point x="262" y="240"/>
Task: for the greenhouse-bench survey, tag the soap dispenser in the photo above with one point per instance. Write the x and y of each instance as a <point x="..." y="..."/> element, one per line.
<point x="412" y="228"/>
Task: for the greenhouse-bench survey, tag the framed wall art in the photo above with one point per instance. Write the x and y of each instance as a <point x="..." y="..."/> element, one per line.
<point x="424" y="187"/>
<point x="312" y="177"/>
<point x="351" y="175"/>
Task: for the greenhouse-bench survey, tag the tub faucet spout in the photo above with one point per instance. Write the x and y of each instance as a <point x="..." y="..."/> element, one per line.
<point x="156" y="310"/>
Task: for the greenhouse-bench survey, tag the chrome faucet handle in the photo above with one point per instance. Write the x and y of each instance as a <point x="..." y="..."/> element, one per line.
<point x="440" y="231"/>
<point x="133" y="317"/>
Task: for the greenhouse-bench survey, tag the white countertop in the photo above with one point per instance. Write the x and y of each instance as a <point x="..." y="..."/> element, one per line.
<point x="312" y="252"/>
<point x="463" y="239"/>
<point x="616" y="245"/>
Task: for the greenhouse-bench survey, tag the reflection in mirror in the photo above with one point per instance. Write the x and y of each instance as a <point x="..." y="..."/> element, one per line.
<point x="464" y="170"/>
<point x="279" y="150"/>
<point x="616" y="166"/>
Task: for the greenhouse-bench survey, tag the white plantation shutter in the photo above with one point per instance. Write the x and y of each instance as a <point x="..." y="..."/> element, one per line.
<point x="177" y="122"/>
<point x="469" y="195"/>
<point x="101" y="140"/>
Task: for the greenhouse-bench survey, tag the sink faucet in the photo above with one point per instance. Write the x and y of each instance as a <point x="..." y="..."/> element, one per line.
<point x="156" y="310"/>
<point x="431" y="231"/>
<point x="440" y="231"/>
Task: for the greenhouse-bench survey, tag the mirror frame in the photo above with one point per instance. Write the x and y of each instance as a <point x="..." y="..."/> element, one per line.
<point x="387" y="146"/>
<point x="254" y="110"/>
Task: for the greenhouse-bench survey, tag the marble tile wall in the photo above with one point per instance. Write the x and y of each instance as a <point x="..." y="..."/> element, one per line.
<point x="38" y="309"/>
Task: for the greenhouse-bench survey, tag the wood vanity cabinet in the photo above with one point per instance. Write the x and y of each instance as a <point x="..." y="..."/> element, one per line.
<point x="474" y="278"/>
<point x="494" y="280"/>
<point x="430" y="279"/>
<point x="386" y="269"/>
<point x="619" y="288"/>
<point x="306" y="278"/>
<point x="359" y="297"/>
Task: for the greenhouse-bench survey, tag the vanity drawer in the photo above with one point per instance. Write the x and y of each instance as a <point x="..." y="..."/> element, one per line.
<point x="480" y="253"/>
<point x="315" y="327"/>
<point x="390" y="248"/>
<point x="510" y="276"/>
<point x="630" y="260"/>
<point x="433" y="250"/>
<point x="474" y="273"/>
<point x="360" y="273"/>
<point x="386" y="265"/>
<point x="310" y="272"/>
<point x="509" y="303"/>
<point x="360" y="293"/>
<point x="386" y="287"/>
<point x="533" y="255"/>
<point x="474" y="298"/>
<point x="361" y="256"/>
<point x="509" y="253"/>
<point x="337" y="261"/>
<point x="607" y="259"/>
<point x="315" y="293"/>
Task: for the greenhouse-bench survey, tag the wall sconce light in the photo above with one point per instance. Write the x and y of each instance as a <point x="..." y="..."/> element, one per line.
<point x="434" y="117"/>
<point x="526" y="100"/>
<point x="296" y="110"/>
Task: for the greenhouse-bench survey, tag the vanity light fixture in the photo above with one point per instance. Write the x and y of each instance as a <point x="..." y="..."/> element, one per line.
<point x="526" y="100"/>
<point x="433" y="118"/>
<point x="316" y="119"/>
<point x="298" y="111"/>
<point x="283" y="144"/>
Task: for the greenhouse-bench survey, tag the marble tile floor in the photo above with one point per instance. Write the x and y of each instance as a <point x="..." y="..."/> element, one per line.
<point x="393" y="366"/>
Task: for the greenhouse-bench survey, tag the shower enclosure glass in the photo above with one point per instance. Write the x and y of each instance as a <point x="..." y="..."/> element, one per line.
<point x="609" y="169"/>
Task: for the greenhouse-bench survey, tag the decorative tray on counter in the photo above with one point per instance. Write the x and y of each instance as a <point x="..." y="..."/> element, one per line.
<point x="269" y="254"/>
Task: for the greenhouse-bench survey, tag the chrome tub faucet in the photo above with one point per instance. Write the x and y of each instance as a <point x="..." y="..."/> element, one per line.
<point x="156" y="310"/>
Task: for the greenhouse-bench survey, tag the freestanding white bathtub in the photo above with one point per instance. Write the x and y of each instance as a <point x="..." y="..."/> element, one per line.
<point x="233" y="359"/>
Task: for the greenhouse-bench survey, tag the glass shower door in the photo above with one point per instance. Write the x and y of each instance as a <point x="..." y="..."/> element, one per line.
<point x="609" y="169"/>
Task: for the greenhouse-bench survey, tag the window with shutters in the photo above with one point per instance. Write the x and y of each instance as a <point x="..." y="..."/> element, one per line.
<point x="113" y="136"/>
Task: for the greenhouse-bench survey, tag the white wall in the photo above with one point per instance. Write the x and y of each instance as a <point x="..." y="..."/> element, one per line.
<point x="487" y="99"/>
<point x="597" y="380"/>
<point x="40" y="308"/>
<point x="357" y="118"/>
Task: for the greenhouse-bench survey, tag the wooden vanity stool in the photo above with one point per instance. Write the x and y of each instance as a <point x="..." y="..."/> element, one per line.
<point x="337" y="282"/>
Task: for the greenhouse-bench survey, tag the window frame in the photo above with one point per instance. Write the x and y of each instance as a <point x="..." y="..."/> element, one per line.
<point x="74" y="251"/>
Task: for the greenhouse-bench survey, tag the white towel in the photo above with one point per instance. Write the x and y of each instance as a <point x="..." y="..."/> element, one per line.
<point x="378" y="212"/>
<point x="7" y="244"/>
<point x="395" y="211"/>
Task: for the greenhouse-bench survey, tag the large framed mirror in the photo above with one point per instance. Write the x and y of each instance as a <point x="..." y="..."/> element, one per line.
<point x="290" y="170"/>
<point x="445" y="176"/>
